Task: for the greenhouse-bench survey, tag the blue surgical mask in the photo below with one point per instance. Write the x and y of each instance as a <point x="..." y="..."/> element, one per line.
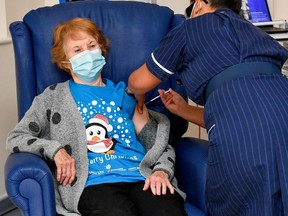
<point x="88" y="65"/>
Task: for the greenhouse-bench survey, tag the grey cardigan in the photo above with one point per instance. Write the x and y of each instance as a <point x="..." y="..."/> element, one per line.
<point x="53" y="122"/>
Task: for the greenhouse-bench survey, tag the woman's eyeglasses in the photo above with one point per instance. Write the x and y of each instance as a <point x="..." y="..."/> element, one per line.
<point x="188" y="10"/>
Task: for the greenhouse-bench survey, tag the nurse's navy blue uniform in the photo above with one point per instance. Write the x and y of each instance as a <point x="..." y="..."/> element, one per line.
<point x="246" y="115"/>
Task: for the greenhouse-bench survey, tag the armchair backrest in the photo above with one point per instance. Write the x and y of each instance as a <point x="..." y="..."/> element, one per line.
<point x="133" y="28"/>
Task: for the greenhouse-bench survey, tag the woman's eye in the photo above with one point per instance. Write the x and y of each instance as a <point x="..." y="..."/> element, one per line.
<point x="93" y="46"/>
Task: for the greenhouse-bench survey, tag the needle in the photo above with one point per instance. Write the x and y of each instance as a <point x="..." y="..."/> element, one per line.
<point x="156" y="97"/>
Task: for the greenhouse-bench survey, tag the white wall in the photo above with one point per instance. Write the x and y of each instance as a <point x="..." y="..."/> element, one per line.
<point x="15" y="10"/>
<point x="280" y="9"/>
<point x="8" y="110"/>
<point x="178" y="6"/>
<point x="3" y="30"/>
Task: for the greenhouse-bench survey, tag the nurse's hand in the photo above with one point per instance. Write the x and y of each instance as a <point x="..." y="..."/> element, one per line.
<point x="159" y="183"/>
<point x="176" y="104"/>
<point x="173" y="101"/>
<point x="65" y="167"/>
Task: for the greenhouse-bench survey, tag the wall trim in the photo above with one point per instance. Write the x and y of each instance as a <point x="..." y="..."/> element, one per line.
<point x="5" y="40"/>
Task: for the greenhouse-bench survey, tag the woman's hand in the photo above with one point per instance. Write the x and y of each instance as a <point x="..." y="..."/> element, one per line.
<point x="158" y="183"/>
<point x="65" y="167"/>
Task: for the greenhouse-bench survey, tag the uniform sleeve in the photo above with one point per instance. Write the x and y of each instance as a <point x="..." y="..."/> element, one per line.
<point x="169" y="54"/>
<point x="31" y="134"/>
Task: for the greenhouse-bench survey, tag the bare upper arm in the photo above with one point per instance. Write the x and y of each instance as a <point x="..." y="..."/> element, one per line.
<point x="140" y="120"/>
<point x="142" y="80"/>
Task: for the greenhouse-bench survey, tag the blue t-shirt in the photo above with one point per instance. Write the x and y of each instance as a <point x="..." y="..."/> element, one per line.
<point x="114" y="153"/>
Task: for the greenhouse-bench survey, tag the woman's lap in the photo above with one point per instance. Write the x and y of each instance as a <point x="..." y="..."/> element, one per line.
<point x="117" y="199"/>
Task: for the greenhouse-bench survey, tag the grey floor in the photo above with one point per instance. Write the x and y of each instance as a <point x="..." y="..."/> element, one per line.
<point x="15" y="212"/>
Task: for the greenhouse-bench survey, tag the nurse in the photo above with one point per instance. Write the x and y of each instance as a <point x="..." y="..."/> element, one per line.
<point x="233" y="69"/>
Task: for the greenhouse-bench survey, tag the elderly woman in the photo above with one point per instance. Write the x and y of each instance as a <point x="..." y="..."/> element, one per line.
<point x="108" y="160"/>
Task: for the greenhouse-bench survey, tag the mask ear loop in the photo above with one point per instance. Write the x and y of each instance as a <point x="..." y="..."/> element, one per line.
<point x="66" y="62"/>
<point x="192" y="11"/>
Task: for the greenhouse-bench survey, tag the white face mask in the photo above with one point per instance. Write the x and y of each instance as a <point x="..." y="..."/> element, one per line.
<point x="88" y="65"/>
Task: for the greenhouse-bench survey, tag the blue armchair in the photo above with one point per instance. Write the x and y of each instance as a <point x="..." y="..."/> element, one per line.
<point x="134" y="29"/>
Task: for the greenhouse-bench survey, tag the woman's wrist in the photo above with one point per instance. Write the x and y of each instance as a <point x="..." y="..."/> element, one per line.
<point x="161" y="173"/>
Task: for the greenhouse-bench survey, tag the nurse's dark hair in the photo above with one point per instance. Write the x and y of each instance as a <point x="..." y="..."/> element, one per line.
<point x="234" y="5"/>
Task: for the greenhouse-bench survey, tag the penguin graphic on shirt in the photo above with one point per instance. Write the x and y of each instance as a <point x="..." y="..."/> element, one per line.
<point x="97" y="135"/>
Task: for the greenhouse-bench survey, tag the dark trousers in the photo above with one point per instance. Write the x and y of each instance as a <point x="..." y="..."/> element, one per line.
<point x="128" y="199"/>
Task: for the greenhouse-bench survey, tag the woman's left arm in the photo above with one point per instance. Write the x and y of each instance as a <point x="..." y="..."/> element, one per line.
<point x="162" y="173"/>
<point x="140" y="120"/>
<point x="154" y="137"/>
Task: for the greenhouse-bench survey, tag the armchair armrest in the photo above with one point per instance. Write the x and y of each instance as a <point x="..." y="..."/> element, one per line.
<point x="29" y="184"/>
<point x="191" y="164"/>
